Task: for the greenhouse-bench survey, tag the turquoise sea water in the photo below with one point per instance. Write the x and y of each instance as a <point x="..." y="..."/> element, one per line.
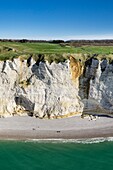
<point x="56" y="155"/>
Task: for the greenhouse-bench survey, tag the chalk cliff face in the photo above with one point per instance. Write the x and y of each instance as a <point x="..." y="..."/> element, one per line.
<point x="39" y="89"/>
<point x="55" y="90"/>
<point x="96" y="86"/>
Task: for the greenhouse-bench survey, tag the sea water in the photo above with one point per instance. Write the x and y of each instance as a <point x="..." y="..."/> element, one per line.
<point x="87" y="154"/>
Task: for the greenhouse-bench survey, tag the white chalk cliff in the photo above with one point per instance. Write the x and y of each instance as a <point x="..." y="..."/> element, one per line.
<point x="55" y="90"/>
<point x="96" y="86"/>
<point x="38" y="89"/>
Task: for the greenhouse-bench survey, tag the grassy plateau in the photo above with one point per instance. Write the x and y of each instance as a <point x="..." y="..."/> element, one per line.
<point x="52" y="52"/>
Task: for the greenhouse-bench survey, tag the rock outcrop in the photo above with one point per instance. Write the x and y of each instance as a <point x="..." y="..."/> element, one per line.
<point x="96" y="86"/>
<point x="40" y="89"/>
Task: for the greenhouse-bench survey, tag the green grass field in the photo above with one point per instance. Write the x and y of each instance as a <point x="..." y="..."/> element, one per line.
<point x="10" y="50"/>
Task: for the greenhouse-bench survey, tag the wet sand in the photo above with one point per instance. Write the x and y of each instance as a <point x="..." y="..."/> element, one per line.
<point x="25" y="128"/>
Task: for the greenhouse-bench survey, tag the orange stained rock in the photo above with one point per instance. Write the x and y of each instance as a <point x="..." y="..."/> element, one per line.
<point x="76" y="68"/>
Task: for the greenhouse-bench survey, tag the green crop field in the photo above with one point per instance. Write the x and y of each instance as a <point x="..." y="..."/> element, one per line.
<point x="38" y="47"/>
<point x="10" y="50"/>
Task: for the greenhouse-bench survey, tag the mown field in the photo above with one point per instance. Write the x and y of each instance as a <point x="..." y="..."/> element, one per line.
<point x="10" y="50"/>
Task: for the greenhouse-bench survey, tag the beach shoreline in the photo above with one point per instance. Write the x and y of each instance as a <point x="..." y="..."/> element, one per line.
<point x="29" y="128"/>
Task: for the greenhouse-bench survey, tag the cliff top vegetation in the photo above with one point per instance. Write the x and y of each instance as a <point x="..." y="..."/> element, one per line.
<point x="53" y="51"/>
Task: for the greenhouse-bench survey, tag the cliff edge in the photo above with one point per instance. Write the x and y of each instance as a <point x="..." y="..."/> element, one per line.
<point x="44" y="90"/>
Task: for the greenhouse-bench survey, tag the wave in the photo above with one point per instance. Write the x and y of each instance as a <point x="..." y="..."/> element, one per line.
<point x="82" y="141"/>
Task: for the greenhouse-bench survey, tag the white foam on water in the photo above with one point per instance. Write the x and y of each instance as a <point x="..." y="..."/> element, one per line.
<point x="83" y="141"/>
<point x="110" y="139"/>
